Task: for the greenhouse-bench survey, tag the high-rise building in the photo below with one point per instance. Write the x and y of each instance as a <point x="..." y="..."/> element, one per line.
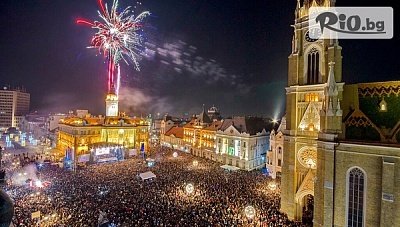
<point x="341" y="152"/>
<point x="14" y="104"/>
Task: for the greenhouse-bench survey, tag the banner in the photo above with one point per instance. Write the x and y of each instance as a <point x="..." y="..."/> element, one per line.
<point x="110" y="159"/>
<point x="102" y="151"/>
<point x="83" y="158"/>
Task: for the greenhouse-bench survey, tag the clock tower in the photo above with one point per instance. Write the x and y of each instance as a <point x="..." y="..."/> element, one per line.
<point x="313" y="99"/>
<point x="111" y="104"/>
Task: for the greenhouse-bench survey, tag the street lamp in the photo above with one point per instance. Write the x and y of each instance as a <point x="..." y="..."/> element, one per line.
<point x="195" y="163"/>
<point x="250" y="212"/>
<point x="189" y="188"/>
<point x="272" y="186"/>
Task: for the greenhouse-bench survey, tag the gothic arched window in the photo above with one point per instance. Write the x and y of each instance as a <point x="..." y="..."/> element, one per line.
<point x="356" y="198"/>
<point x="313" y="66"/>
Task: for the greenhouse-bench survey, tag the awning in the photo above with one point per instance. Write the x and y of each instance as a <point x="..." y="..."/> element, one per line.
<point x="147" y="175"/>
<point x="231" y="168"/>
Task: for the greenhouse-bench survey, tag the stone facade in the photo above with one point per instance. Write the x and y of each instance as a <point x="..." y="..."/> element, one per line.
<point x="341" y="142"/>
<point x="275" y="153"/>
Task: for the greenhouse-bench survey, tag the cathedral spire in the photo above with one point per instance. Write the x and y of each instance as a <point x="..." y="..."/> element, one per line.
<point x="314" y="3"/>
<point x="330" y="108"/>
<point x="297" y="11"/>
<point x="331" y="87"/>
<point x="339" y="111"/>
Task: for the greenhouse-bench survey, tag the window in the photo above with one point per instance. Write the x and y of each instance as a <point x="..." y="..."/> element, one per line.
<point x="244" y="144"/>
<point x="279" y="150"/>
<point x="313" y="66"/>
<point x="355" y="197"/>
<point x="383" y="105"/>
<point x="279" y="162"/>
<point x="312" y="97"/>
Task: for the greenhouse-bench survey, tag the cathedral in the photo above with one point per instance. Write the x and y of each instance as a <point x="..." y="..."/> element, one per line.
<point x="341" y="148"/>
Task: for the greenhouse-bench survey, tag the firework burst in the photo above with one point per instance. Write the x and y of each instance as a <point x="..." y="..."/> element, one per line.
<point x="118" y="38"/>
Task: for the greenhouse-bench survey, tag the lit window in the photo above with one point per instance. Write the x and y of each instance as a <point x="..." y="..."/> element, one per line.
<point x="311" y="97"/>
<point x="383" y="105"/>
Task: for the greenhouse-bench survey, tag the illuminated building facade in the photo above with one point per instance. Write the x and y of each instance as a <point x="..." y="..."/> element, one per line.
<point x="209" y="140"/>
<point x="111" y="105"/>
<point x="275" y="152"/>
<point x="193" y="133"/>
<point x="14" y="104"/>
<point x="173" y="138"/>
<point x="341" y="149"/>
<point x="83" y="135"/>
<point x="242" y="142"/>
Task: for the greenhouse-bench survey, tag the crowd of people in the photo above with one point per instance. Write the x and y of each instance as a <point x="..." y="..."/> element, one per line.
<point x="115" y="192"/>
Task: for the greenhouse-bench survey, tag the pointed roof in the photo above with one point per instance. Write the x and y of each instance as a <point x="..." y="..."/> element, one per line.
<point x="331" y="87"/>
<point x="203" y="117"/>
<point x="311" y="116"/>
<point x="307" y="186"/>
<point x="282" y="125"/>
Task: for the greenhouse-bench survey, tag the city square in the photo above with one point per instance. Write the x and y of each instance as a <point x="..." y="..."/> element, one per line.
<point x="218" y="197"/>
<point x="199" y="113"/>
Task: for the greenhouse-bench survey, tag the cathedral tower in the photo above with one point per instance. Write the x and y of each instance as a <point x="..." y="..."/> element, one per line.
<point x="313" y="110"/>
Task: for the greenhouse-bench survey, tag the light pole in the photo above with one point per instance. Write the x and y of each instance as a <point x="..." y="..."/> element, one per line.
<point x="1" y="152"/>
<point x="2" y="172"/>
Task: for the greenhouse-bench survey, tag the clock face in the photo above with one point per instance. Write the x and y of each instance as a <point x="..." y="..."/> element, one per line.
<point x="312" y="35"/>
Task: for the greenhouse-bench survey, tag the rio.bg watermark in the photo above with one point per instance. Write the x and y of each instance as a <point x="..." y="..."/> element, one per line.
<point x="351" y="22"/>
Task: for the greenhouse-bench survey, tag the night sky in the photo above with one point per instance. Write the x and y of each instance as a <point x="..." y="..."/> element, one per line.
<point x="227" y="53"/>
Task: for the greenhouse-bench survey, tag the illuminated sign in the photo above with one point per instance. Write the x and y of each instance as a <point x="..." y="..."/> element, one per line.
<point x="102" y="151"/>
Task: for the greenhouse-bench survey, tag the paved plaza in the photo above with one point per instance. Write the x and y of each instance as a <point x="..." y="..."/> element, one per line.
<point x="114" y="192"/>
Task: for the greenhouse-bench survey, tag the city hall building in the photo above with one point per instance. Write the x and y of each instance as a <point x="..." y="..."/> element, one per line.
<point x="102" y="138"/>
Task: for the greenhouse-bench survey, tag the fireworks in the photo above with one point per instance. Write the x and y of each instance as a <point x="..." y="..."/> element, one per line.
<point x="118" y="38"/>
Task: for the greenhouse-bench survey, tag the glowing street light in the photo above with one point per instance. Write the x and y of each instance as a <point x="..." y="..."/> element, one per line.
<point x="195" y="163"/>
<point x="189" y="188"/>
<point x="250" y="212"/>
<point x="272" y="186"/>
<point x="175" y="154"/>
<point x="39" y="184"/>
